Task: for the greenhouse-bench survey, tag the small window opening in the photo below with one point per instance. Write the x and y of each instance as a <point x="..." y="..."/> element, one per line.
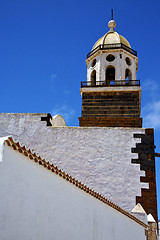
<point x="94" y="62"/>
<point x="128" y="61"/>
<point x="110" y="58"/>
<point x="128" y="76"/>
<point x="110" y="75"/>
<point x="93" y="78"/>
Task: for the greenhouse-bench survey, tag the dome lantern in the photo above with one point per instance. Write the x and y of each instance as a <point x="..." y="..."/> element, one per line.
<point x="115" y="45"/>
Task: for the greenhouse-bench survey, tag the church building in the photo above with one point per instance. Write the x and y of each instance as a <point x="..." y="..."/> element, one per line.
<point x="95" y="181"/>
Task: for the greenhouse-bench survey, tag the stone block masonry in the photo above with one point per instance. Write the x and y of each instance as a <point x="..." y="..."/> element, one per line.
<point x="111" y="109"/>
<point x="146" y="159"/>
<point x="110" y="122"/>
<point x="115" y="104"/>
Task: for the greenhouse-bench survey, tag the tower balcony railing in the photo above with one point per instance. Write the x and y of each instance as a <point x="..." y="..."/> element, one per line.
<point x="112" y="83"/>
<point x="112" y="46"/>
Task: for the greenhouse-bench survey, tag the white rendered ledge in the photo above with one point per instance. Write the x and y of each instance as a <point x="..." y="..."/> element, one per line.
<point x="138" y="209"/>
<point x="2" y="142"/>
<point x="109" y="89"/>
<point x="139" y="213"/>
<point x="150" y="218"/>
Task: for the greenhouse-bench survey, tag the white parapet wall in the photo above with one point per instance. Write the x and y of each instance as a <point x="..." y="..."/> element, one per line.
<point x="38" y="204"/>
<point x="98" y="157"/>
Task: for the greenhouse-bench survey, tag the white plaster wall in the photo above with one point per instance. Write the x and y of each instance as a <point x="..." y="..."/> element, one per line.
<point x="96" y="67"/>
<point x="116" y="64"/>
<point x="98" y="157"/>
<point x="132" y="68"/>
<point x="119" y="64"/>
<point x="37" y="204"/>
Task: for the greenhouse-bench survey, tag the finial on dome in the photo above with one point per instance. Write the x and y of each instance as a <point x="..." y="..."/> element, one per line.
<point x="111" y="23"/>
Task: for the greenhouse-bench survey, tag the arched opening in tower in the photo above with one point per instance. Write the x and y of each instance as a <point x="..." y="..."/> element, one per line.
<point x="110" y="75"/>
<point x="128" y="76"/>
<point x="93" y="77"/>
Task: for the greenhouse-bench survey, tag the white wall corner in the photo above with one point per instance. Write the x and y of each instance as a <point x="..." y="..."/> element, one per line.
<point x="139" y="212"/>
<point x="2" y="142"/>
<point x="150" y="218"/>
<point x="138" y="209"/>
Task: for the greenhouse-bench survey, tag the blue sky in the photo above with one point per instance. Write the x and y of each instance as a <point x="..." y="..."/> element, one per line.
<point x="43" y="51"/>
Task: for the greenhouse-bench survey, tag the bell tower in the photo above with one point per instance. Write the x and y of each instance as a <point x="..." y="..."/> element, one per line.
<point x="111" y="96"/>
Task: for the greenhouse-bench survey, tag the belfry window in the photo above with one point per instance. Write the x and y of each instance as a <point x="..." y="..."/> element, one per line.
<point x="94" y="62"/>
<point x="110" y="75"/>
<point x="110" y="58"/>
<point x="128" y="61"/>
<point x="93" y="77"/>
<point x="128" y="75"/>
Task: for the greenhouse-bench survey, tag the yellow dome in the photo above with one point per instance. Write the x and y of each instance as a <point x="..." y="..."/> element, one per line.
<point x="112" y="37"/>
